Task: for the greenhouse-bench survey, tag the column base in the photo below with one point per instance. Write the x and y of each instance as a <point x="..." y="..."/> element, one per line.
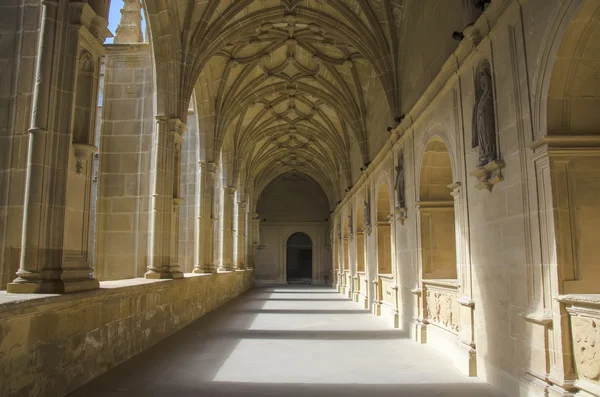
<point x="206" y="269"/>
<point x="160" y="275"/>
<point x="419" y="331"/>
<point x="52" y="286"/>
<point x="377" y="308"/>
<point x="226" y="268"/>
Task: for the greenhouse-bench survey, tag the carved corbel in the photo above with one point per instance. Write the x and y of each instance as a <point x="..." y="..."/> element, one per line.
<point x="489" y="175"/>
<point x="401" y="214"/>
<point x="83" y="153"/>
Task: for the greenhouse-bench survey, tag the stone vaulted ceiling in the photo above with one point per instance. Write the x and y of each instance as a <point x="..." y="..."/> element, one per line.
<point x="288" y="85"/>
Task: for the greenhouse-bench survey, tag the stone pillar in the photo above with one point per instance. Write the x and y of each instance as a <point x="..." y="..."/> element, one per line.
<point x="241" y="235"/>
<point x="227" y="230"/>
<point x="130" y="27"/>
<point x="160" y="260"/>
<point x="255" y="237"/>
<point x="59" y="172"/>
<point x="249" y="239"/>
<point x="55" y="239"/>
<point x="205" y="248"/>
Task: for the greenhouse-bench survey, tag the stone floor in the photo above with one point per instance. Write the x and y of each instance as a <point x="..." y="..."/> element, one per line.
<point x="288" y="342"/>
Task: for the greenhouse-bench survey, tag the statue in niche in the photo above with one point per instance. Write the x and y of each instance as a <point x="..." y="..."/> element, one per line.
<point x="484" y="124"/>
<point x="350" y="231"/>
<point x="367" y="216"/>
<point x="399" y="185"/>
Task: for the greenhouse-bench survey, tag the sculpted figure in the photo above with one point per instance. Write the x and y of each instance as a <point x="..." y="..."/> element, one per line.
<point x="484" y="124"/>
<point x="367" y="216"/>
<point x="399" y="185"/>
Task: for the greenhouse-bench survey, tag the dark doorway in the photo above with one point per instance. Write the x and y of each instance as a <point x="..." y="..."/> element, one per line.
<point x="299" y="259"/>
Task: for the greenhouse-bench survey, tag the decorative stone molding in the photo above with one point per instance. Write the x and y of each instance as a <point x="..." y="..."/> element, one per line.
<point x="94" y="26"/>
<point x="584" y="312"/>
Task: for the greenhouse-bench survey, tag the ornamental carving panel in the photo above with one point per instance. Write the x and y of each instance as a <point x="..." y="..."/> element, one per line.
<point x="586" y="344"/>
<point x="442" y="308"/>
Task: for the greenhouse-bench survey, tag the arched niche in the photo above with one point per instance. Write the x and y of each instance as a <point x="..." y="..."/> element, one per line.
<point x="436" y="213"/>
<point x="384" y="231"/>
<point x="85" y="94"/>
<point x="571" y="207"/>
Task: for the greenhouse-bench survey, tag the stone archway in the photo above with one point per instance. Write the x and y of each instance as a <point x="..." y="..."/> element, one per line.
<point x="299" y="259"/>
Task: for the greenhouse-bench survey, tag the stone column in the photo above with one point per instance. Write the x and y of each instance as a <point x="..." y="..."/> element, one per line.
<point x="227" y="230"/>
<point x="249" y="240"/>
<point x="241" y="235"/>
<point x="255" y="237"/>
<point x="55" y="238"/>
<point x="160" y="263"/>
<point x="130" y="27"/>
<point x="205" y="248"/>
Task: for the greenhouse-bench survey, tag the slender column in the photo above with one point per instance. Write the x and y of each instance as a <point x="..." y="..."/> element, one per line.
<point x="227" y="231"/>
<point x="205" y="248"/>
<point x="249" y="240"/>
<point x="241" y="235"/>
<point x="255" y="237"/>
<point x="162" y="219"/>
<point x="55" y="256"/>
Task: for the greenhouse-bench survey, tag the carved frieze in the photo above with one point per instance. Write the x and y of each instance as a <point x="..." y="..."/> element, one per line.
<point x="442" y="308"/>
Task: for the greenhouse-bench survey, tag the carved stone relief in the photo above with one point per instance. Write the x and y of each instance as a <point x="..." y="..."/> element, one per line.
<point x="586" y="345"/>
<point x="400" y="189"/>
<point x="367" y="216"/>
<point x="442" y="309"/>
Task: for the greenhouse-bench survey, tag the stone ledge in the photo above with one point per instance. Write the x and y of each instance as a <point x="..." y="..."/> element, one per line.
<point x="10" y="301"/>
<point x="52" y="344"/>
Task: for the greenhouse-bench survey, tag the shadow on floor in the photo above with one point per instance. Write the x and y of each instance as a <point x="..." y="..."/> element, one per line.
<point x="238" y="351"/>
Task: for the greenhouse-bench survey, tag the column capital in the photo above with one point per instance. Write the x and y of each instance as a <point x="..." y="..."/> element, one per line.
<point x="255" y="215"/>
<point x="228" y="190"/>
<point x="177" y="126"/>
<point x="242" y="204"/>
<point x="208" y="166"/>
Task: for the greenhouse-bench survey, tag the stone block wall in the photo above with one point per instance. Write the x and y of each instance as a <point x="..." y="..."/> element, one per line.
<point x="122" y="217"/>
<point x="52" y="344"/>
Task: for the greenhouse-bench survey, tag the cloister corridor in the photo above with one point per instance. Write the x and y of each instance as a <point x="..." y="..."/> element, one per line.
<point x="290" y="341"/>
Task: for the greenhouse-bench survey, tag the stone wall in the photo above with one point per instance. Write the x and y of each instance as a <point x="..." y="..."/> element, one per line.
<point x="524" y="238"/>
<point x="271" y="255"/>
<point x="51" y="344"/>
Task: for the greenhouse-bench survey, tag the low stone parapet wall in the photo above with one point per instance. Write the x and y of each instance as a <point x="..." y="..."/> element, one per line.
<point x="52" y="344"/>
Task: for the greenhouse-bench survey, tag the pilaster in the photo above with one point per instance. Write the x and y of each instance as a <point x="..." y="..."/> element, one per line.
<point x="227" y="231"/>
<point x="241" y="235"/>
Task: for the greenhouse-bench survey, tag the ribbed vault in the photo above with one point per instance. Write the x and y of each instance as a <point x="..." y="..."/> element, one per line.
<point x="290" y="86"/>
